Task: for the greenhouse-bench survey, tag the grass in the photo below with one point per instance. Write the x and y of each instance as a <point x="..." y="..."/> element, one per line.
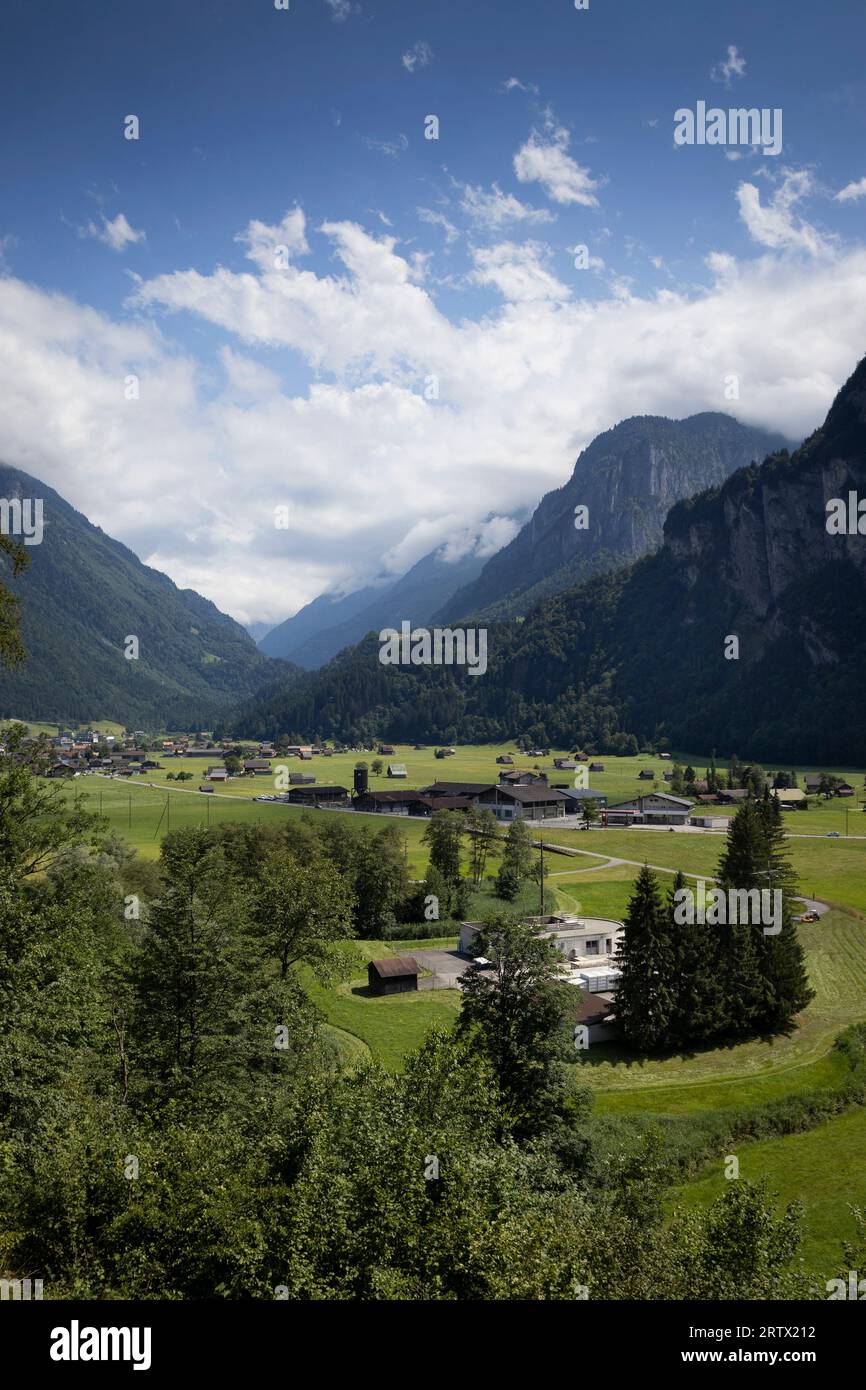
<point x="761" y="1069"/>
<point x="389" y="1026"/>
<point x="822" y="1167"/>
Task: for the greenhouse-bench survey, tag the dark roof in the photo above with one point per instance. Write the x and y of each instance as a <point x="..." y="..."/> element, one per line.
<point x="535" y="792"/>
<point x="591" y="1009"/>
<point x="393" y="966"/>
<point x="457" y="788"/>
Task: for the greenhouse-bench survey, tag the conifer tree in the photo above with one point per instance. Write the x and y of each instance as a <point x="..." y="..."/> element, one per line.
<point x="783" y="964"/>
<point x="516" y="865"/>
<point x="741" y="977"/>
<point x="644" y="996"/>
<point x="697" y="1003"/>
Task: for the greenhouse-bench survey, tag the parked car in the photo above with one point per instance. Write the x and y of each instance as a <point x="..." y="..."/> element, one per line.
<point x="809" y="917"/>
<point x="832" y="834"/>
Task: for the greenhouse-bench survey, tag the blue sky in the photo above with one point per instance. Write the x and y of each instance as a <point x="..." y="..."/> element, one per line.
<point x="408" y="259"/>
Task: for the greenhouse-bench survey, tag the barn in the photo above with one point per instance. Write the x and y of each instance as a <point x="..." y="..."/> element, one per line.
<point x="394" y="975"/>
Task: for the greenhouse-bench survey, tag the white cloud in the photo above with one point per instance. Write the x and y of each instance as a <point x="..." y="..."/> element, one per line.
<point x="514" y="84"/>
<point x="851" y="192"/>
<point x="517" y="272"/>
<point x="360" y="453"/>
<point x="341" y="9"/>
<point x="545" y="159"/>
<point x="732" y="66"/>
<point x="438" y="219"/>
<point x="393" y="148"/>
<point x="420" y="55"/>
<point x="495" y="209"/>
<point x="116" y="233"/>
<point x="774" y="224"/>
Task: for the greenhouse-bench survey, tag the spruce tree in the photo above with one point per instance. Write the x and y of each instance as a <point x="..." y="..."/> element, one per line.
<point x="697" y="1004"/>
<point x="744" y="988"/>
<point x="516" y="865"/>
<point x="783" y="964"/>
<point x="644" y="996"/>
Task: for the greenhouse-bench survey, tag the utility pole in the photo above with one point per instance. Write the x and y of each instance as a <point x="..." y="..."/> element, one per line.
<point x="541" y="876"/>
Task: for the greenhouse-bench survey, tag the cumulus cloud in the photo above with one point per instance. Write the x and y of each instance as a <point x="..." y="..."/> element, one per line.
<point x="116" y="233"/>
<point x="775" y="223"/>
<point x="732" y="66"/>
<point x="420" y="55"/>
<point x="494" y="209"/>
<point x="360" y="452"/>
<point x="517" y="272"/>
<point x="544" y="159"/>
<point x="852" y="192"/>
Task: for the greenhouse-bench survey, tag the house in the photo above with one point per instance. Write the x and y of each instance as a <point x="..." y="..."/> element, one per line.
<point x="576" y="795"/>
<point x="596" y="1014"/>
<point x="791" y="798"/>
<point x="524" y="778"/>
<point x="318" y="796"/>
<point x="506" y="759"/>
<point x="533" y="802"/>
<point x="396" y="769"/>
<point x="585" y="943"/>
<point x="394" y="975"/>
<point x="732" y="795"/>
<point x="217" y="774"/>
<point x="646" y="775"/>
<point x="596" y="767"/>
<point x="656" y="808"/>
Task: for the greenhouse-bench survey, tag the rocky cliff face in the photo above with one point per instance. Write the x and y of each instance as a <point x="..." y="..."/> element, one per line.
<point x="628" y="478"/>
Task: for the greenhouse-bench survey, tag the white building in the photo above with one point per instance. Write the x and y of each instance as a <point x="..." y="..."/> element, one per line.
<point x="586" y="944"/>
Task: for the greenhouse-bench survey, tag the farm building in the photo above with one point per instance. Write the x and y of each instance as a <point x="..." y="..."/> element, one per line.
<point x="506" y="759"/>
<point x="397" y="770"/>
<point x="394" y="975"/>
<point x="710" y="822"/>
<point x="790" y="798"/>
<point x="646" y="775"/>
<point x="317" y="796"/>
<point x="596" y="767"/>
<point x="301" y="779"/>
<point x="386" y="749"/>
<point x="657" y="808"/>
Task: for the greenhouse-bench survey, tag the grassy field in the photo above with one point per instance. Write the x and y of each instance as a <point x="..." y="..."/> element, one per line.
<point x="388" y="1027"/>
<point x="823" y="1168"/>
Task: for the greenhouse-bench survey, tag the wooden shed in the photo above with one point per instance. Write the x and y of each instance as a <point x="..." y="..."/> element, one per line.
<point x="393" y="975"/>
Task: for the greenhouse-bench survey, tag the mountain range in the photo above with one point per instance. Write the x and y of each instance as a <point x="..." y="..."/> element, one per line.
<point x="81" y="596"/>
<point x="645" y="652"/>
<point x="324" y="627"/>
<point x="627" y="479"/>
